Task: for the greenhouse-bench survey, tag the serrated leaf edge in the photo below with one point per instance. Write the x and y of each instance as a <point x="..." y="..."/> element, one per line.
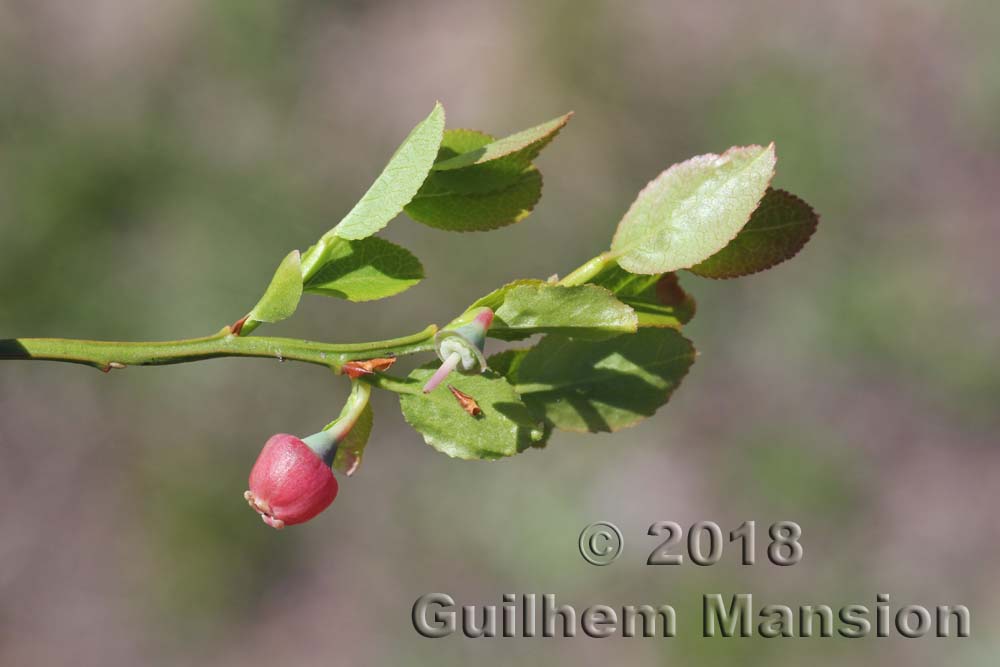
<point x="662" y="174"/>
<point x="352" y="236"/>
<point x="507" y="223"/>
<point x="741" y="274"/>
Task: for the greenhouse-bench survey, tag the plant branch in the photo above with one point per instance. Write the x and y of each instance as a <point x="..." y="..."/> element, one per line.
<point x="108" y="355"/>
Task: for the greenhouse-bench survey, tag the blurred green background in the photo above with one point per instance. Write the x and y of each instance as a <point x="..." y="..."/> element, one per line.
<point x="157" y="159"/>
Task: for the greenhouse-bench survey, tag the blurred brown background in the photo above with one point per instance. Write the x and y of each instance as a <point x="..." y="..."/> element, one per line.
<point x="157" y="159"/>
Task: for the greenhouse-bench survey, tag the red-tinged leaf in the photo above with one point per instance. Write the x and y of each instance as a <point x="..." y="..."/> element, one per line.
<point x="778" y="229"/>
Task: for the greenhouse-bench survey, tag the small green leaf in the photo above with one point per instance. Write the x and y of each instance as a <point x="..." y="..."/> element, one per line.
<point x="398" y="183"/>
<point x="352" y="448"/>
<point x="504" y="428"/>
<point x="281" y="297"/>
<point x="778" y="229"/>
<point x="600" y="386"/>
<point x="365" y="269"/>
<point x="692" y="210"/>
<point x="527" y="307"/>
<point x="520" y="148"/>
<point x="658" y="300"/>
<point x="479" y="211"/>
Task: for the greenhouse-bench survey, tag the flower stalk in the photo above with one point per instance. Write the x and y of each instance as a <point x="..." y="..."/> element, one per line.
<point x="326" y="441"/>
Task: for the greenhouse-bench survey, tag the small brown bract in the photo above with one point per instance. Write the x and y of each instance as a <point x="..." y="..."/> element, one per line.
<point x="467" y="402"/>
<point x="355" y="369"/>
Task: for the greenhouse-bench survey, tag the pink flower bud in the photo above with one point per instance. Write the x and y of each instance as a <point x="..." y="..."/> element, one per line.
<point x="289" y="483"/>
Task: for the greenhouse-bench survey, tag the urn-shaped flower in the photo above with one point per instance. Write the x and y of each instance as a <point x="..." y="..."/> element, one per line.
<point x="290" y="483"/>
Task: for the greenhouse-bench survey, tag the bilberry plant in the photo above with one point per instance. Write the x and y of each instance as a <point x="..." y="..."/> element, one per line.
<point x="605" y="348"/>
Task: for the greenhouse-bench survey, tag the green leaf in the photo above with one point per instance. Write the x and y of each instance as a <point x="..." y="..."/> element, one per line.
<point x="281" y="297"/>
<point x="600" y="386"/>
<point x="352" y="448"/>
<point x="527" y="307"/>
<point x="658" y="300"/>
<point x="505" y="363"/>
<point x="398" y="183"/>
<point x="665" y="304"/>
<point x="778" y="229"/>
<point x="504" y="428"/>
<point x="365" y="269"/>
<point x="478" y="179"/>
<point x="520" y="148"/>
<point x="475" y="211"/>
<point x="461" y="140"/>
<point x="692" y="210"/>
<point x="479" y="184"/>
<point x="621" y="283"/>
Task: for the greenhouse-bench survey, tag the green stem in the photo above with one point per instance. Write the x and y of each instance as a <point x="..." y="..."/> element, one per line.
<point x="587" y="270"/>
<point x="325" y="442"/>
<point x="391" y="383"/>
<point x="106" y="355"/>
